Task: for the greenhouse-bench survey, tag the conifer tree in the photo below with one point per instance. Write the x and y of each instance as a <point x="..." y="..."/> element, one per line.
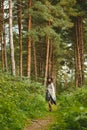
<point x="11" y="39"/>
<point x="20" y="35"/>
<point x="29" y="42"/>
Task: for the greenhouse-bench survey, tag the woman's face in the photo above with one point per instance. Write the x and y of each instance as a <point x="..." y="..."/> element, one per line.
<point x="49" y="80"/>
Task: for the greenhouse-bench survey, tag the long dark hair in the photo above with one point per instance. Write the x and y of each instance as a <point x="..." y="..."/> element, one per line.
<point x="49" y="80"/>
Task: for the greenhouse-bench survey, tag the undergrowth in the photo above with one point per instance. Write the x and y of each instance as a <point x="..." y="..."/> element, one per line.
<point x="20" y="100"/>
<point x="72" y="111"/>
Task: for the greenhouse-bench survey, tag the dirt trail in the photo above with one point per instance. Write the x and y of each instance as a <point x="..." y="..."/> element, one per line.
<point x="40" y="124"/>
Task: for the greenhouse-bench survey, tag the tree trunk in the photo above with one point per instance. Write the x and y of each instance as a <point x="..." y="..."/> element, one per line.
<point x="1" y="19"/>
<point x="5" y="53"/>
<point x="1" y="33"/>
<point x="53" y="69"/>
<point x="50" y="61"/>
<point x="47" y="60"/>
<point x="2" y="55"/>
<point x="79" y="54"/>
<point x="76" y="57"/>
<point x="11" y="39"/>
<point x="29" y="44"/>
<point x="20" y="35"/>
<point x="81" y="49"/>
<point x="35" y="63"/>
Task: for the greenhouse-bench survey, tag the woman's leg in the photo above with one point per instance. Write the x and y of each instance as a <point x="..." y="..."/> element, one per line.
<point x="50" y="106"/>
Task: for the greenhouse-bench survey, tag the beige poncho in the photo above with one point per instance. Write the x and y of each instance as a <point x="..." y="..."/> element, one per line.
<point x="51" y="90"/>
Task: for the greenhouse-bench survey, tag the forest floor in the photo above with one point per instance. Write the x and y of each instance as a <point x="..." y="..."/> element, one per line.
<point x="40" y="124"/>
<point x="43" y="123"/>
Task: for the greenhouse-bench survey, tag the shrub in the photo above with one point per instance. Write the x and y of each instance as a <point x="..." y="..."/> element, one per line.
<point x="20" y="100"/>
<point x="73" y="111"/>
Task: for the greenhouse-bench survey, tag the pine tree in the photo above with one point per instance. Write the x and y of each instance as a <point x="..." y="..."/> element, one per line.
<point x="29" y="43"/>
<point x="11" y="39"/>
<point x="20" y="34"/>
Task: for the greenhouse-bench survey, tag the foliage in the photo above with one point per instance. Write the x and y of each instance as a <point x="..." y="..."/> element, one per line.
<point x="72" y="112"/>
<point x="20" y="100"/>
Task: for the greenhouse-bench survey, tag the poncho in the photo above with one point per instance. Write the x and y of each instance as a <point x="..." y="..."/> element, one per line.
<point x="51" y="92"/>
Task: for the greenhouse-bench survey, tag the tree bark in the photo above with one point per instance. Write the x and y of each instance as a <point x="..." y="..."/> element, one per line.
<point x="2" y="55"/>
<point x="79" y="54"/>
<point x="35" y="63"/>
<point x="20" y="36"/>
<point x="5" y="53"/>
<point x="47" y="60"/>
<point x="1" y="19"/>
<point x="29" y="44"/>
<point x="50" y="61"/>
<point x="81" y="49"/>
<point x="1" y="33"/>
<point x="11" y="39"/>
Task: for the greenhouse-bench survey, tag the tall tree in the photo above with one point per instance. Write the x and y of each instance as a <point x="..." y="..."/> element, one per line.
<point x="79" y="53"/>
<point x="20" y="34"/>
<point x="50" y="60"/>
<point x="1" y="19"/>
<point x="81" y="6"/>
<point x="1" y="32"/>
<point x="11" y="39"/>
<point x="47" y="60"/>
<point x="5" y="52"/>
<point x="29" y="43"/>
<point x="35" y="61"/>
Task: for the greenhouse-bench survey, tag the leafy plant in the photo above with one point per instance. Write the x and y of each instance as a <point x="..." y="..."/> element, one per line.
<point x="72" y="113"/>
<point x="20" y="100"/>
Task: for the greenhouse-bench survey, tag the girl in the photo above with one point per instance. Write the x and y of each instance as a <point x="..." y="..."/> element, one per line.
<point x="50" y="93"/>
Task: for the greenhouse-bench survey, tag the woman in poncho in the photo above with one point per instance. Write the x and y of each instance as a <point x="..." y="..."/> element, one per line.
<point x="50" y="94"/>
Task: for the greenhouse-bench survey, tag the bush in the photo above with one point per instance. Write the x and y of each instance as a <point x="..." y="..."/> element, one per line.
<point x="19" y="102"/>
<point x="73" y="111"/>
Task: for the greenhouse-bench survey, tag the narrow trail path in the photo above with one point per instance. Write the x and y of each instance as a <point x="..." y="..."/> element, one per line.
<point x="40" y="124"/>
<point x="43" y="123"/>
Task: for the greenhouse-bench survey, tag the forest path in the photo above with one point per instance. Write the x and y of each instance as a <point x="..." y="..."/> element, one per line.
<point x="40" y="124"/>
<point x="45" y="122"/>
